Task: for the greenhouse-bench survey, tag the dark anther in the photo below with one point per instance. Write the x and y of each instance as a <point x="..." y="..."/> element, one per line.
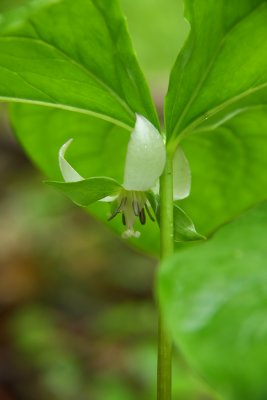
<point x="118" y="209"/>
<point x="122" y="203"/>
<point x="142" y="216"/>
<point x="123" y="219"/>
<point x="136" y="208"/>
<point x="149" y="213"/>
<point x="113" y="215"/>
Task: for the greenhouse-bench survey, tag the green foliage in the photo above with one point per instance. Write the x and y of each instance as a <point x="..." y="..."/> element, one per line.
<point x="216" y="104"/>
<point x="228" y="169"/>
<point x="99" y="147"/>
<point x="47" y="60"/>
<point x="222" y="66"/>
<point x="214" y="299"/>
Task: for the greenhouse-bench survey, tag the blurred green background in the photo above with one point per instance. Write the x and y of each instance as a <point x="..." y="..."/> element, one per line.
<point x="78" y="319"/>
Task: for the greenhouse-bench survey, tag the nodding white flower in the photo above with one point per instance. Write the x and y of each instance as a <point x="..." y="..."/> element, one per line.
<point x="145" y="160"/>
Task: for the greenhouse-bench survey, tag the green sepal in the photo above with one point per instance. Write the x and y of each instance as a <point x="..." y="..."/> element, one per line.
<point x="183" y="227"/>
<point x="89" y="190"/>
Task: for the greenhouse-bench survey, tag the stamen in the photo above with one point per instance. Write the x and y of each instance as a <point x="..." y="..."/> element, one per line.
<point x="136" y="208"/>
<point x="123" y="203"/>
<point x="113" y="215"/>
<point x="142" y="216"/>
<point x="118" y="209"/>
<point x="149" y="213"/>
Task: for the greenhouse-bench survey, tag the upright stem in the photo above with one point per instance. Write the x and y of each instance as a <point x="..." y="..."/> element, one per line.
<point x="164" y="391"/>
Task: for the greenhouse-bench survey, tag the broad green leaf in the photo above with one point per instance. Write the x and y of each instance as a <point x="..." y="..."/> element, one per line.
<point x="75" y="56"/>
<point x="98" y="147"/>
<point x="217" y="103"/>
<point x="222" y="65"/>
<point x="214" y="299"/>
<point x="228" y="169"/>
<point x="89" y="190"/>
<point x="91" y="44"/>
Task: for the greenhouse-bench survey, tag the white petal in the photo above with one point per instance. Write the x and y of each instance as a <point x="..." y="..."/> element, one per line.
<point x="181" y="175"/>
<point x="145" y="158"/>
<point x="109" y="199"/>
<point x="155" y="188"/>
<point x="69" y="174"/>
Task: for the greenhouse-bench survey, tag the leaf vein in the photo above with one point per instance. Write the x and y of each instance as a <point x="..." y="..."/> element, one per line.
<point x="209" y="67"/>
<point x="77" y="64"/>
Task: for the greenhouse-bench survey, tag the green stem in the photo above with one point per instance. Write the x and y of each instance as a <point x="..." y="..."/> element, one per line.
<point x="164" y="391"/>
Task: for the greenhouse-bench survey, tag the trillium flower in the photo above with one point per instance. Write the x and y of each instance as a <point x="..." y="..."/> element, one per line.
<point x="145" y="160"/>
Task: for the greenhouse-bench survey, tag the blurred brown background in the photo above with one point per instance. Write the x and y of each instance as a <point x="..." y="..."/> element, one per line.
<point x="76" y="303"/>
